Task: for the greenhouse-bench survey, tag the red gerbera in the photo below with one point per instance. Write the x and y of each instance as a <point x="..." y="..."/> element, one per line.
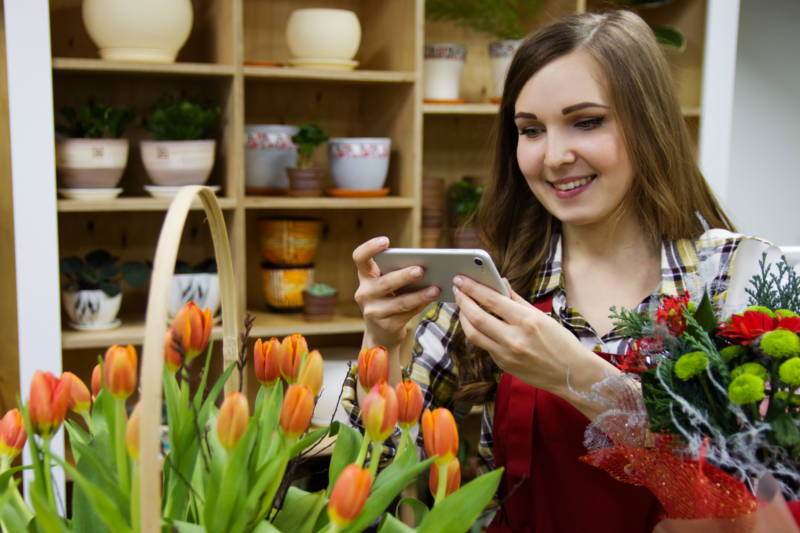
<point x="634" y="361"/>
<point x="670" y="313"/>
<point x="792" y="323"/>
<point x="746" y="327"/>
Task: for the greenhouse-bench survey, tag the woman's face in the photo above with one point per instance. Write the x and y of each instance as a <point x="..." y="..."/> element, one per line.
<point x="570" y="148"/>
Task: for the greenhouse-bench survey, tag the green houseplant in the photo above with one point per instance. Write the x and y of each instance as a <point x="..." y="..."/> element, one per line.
<point x="90" y="153"/>
<point x="92" y="288"/>
<point x="464" y="197"/>
<point x="182" y="152"/>
<point x="305" y="179"/>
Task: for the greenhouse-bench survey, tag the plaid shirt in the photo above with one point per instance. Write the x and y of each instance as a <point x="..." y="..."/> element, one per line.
<point x="686" y="265"/>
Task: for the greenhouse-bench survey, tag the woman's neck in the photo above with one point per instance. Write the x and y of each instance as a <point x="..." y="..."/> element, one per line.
<point x="612" y="241"/>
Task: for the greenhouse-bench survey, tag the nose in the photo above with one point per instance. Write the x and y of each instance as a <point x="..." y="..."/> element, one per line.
<point x="558" y="150"/>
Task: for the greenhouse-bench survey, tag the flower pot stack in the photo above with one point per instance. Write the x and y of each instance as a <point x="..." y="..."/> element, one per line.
<point x="432" y="211"/>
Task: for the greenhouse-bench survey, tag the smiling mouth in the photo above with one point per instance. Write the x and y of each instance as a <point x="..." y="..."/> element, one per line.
<point x="574" y="184"/>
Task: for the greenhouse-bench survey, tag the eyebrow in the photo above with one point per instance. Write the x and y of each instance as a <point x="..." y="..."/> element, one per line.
<point x="566" y="111"/>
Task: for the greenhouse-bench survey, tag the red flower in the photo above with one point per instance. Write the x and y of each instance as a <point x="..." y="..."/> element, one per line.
<point x="670" y="313"/>
<point x="791" y="323"/>
<point x="748" y="326"/>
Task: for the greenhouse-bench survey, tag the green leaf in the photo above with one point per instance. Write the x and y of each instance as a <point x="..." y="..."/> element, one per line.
<point x="299" y="514"/>
<point x="307" y="440"/>
<point x="266" y="527"/>
<point x="71" y="266"/>
<point x="134" y="273"/>
<point x="97" y="258"/>
<point x="670" y="36"/>
<point x="390" y="524"/>
<point x="786" y="432"/>
<point x="704" y="314"/>
<point x="457" y="512"/>
<point x="46" y="519"/>
<point x="345" y="451"/>
<point x="419" y="508"/>
<point x="110" y="288"/>
<point x="104" y="507"/>
<point x="186" y="527"/>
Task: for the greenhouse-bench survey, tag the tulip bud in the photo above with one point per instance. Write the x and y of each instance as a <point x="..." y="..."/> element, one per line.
<point x="453" y="478"/>
<point x="119" y="367"/>
<point x="440" y="435"/>
<point x="234" y="414"/>
<point x="379" y="412"/>
<point x="172" y="358"/>
<point x="298" y="406"/>
<point x="409" y="403"/>
<point x="48" y="401"/>
<point x="266" y="360"/>
<point x="79" y="398"/>
<point x="132" y="432"/>
<point x="12" y="434"/>
<point x="349" y="494"/>
<point x="193" y="327"/>
<point x="293" y="348"/>
<point x="373" y="367"/>
<point x="97" y="380"/>
<point x="311" y="373"/>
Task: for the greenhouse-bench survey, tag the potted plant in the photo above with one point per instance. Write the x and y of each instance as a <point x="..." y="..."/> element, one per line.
<point x="319" y="302"/>
<point x="92" y="290"/>
<point x="305" y="179"/>
<point x="464" y="197"/>
<point x="197" y="283"/>
<point x="182" y="152"/>
<point x="90" y="153"/>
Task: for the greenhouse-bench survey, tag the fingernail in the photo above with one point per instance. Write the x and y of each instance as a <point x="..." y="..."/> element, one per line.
<point x="455" y="290"/>
<point x="416" y="272"/>
<point x="383" y="241"/>
<point x="432" y="292"/>
<point x="458" y="281"/>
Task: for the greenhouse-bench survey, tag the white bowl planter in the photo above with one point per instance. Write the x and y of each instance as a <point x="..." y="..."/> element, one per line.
<point x="144" y="31"/>
<point x="500" y="54"/>
<point x="323" y="34"/>
<point x="91" y="309"/>
<point x="359" y="163"/>
<point x="200" y="288"/>
<point x="91" y="163"/>
<point x="442" y="69"/>
<point x="268" y="150"/>
<point x="178" y="163"/>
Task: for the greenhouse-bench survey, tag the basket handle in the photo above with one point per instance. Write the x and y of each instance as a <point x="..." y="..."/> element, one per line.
<point x="155" y="320"/>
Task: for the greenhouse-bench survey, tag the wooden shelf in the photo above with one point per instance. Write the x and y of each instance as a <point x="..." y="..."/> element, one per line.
<point x="354" y="76"/>
<point x="285" y="202"/>
<point x="144" y="203"/>
<point x="130" y="332"/>
<point x="346" y="320"/>
<point x="70" y="64"/>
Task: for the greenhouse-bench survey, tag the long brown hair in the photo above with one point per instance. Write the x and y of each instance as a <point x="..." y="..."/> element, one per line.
<point x="668" y="188"/>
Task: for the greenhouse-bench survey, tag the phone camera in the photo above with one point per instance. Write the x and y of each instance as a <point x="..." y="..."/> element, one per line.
<point x="478" y="261"/>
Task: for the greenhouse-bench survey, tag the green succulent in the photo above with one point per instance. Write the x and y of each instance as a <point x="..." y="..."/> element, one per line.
<point x="99" y="270"/>
<point x="321" y="289"/>
<point x="95" y="121"/>
<point x="307" y="138"/>
<point x="180" y="119"/>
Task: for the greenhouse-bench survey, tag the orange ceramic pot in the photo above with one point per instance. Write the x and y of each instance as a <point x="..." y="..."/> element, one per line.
<point x="289" y="242"/>
<point x="283" y="287"/>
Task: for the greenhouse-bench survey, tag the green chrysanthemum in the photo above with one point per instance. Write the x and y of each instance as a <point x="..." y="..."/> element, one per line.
<point x="780" y="343"/>
<point x="690" y="364"/>
<point x="761" y="309"/>
<point x="786" y="313"/>
<point x="750" y="368"/>
<point x="746" y="389"/>
<point x="783" y="396"/>
<point x="789" y="372"/>
<point x="729" y="353"/>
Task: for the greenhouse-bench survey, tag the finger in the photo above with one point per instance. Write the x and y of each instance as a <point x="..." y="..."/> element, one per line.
<point x="511" y="310"/>
<point x="474" y="334"/>
<point x="363" y="254"/>
<point x="393" y="282"/>
<point x="484" y="322"/>
<point x="404" y="306"/>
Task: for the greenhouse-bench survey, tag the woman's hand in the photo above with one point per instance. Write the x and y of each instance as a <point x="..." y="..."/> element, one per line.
<point x="529" y="344"/>
<point x="385" y="313"/>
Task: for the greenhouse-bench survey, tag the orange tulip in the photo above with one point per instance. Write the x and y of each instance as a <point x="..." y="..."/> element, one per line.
<point x="453" y="477"/>
<point x="349" y="494"/>
<point x="266" y="360"/>
<point x="12" y="434"/>
<point x="298" y="406"/>
<point x="293" y="348"/>
<point x="311" y="373"/>
<point x="193" y="327"/>
<point x="79" y="397"/>
<point x="48" y="401"/>
<point x="119" y="367"/>
<point x="172" y="359"/>
<point x="373" y="367"/>
<point x="379" y="412"/>
<point x="440" y="435"/>
<point x="234" y="414"/>
<point x="97" y="380"/>
<point x="409" y="403"/>
<point x="132" y="433"/>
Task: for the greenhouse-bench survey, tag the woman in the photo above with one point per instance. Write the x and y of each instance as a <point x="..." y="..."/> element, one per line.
<point x="594" y="203"/>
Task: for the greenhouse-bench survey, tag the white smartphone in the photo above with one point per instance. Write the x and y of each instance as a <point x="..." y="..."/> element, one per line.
<point x="441" y="265"/>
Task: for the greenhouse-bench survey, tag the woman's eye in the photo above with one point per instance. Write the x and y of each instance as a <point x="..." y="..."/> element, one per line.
<point x="589" y="123"/>
<point x="530" y="131"/>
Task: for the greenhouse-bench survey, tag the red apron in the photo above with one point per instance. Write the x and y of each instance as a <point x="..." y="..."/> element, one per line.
<point x="538" y="438"/>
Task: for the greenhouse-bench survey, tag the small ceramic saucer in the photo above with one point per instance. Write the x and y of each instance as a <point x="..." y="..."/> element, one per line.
<point x="89" y="194"/>
<point x="357" y="193"/>
<point x="160" y="191"/>
<point x="96" y="327"/>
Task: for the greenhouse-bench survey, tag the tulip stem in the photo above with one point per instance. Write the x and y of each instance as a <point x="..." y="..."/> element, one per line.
<point x="87" y="417"/>
<point x="5" y="464"/>
<point x="441" y="489"/>
<point x="48" y="475"/>
<point x="362" y="453"/>
<point x="374" y="459"/>
<point x="135" y="497"/>
<point x="403" y="442"/>
<point x="119" y="442"/>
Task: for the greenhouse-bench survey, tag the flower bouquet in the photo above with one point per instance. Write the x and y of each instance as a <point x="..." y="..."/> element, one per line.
<point x="706" y="415"/>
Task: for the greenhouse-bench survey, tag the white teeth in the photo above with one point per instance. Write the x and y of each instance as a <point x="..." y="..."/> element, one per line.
<point x="574" y="184"/>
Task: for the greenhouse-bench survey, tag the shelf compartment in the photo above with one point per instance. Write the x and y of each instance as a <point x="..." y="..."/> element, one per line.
<point x="91" y="65"/>
<point x="353" y="76"/>
<point x="130" y="204"/>
<point x="267" y="324"/>
<point x="130" y="332"/>
<point x="321" y="202"/>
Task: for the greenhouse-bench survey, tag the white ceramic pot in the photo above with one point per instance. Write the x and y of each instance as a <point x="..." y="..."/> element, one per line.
<point x="144" y="30"/>
<point x="323" y="34"/>
<point x="268" y="150"/>
<point x="178" y="163"/>
<point x="442" y="69"/>
<point x="201" y="288"/>
<point x="91" y="163"/>
<point x="359" y="163"/>
<point x="500" y="54"/>
<point x="91" y="309"/>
